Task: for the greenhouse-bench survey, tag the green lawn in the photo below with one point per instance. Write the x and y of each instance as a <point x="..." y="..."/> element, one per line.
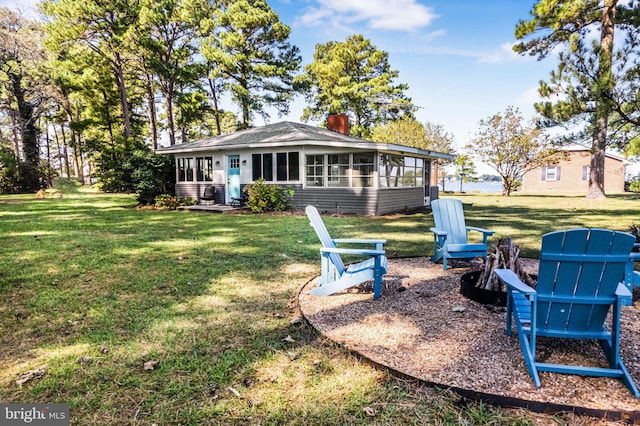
<point x="93" y="289"/>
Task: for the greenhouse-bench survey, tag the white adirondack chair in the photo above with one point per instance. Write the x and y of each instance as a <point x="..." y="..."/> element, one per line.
<point x="337" y="276"/>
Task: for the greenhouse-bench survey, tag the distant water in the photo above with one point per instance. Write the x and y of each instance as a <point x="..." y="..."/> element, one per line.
<point x="488" y="187"/>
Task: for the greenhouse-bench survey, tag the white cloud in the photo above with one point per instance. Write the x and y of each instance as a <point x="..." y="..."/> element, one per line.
<point x="504" y="54"/>
<point x="434" y="34"/>
<point x="400" y="15"/>
<point x="530" y="97"/>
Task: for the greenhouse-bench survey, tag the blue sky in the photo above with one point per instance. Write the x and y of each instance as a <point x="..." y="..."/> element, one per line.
<point x="455" y="55"/>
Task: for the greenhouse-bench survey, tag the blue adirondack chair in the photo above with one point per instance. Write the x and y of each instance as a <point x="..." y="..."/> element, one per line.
<point x="632" y="277"/>
<point x="335" y="275"/>
<point x="450" y="235"/>
<point x="580" y="278"/>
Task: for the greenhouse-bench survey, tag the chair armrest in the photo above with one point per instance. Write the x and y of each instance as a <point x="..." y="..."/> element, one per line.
<point x="635" y="256"/>
<point x="352" y="251"/>
<point x="358" y="241"/>
<point x="484" y="231"/>
<point x="511" y="280"/>
<point x="438" y="232"/>
<point x="623" y="293"/>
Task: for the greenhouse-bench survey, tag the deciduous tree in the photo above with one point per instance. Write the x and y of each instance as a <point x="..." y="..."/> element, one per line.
<point x="512" y="147"/>
<point x="21" y="57"/>
<point x="465" y="169"/>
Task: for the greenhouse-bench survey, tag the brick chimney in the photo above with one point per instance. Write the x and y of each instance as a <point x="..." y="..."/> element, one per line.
<point x="338" y="123"/>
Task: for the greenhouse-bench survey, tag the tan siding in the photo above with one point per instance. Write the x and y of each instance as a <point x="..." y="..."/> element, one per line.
<point x="571" y="181"/>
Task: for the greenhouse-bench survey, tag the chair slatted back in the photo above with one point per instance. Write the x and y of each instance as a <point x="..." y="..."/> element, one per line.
<point x="448" y="216"/>
<point x="209" y="192"/>
<point x="325" y="238"/>
<point x="579" y="272"/>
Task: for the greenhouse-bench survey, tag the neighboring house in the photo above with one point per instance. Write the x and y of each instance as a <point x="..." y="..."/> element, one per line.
<point x="330" y="170"/>
<point x="571" y="175"/>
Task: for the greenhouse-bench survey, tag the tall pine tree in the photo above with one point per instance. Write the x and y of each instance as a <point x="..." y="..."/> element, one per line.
<point x="586" y="87"/>
<point x="249" y="46"/>
<point x="351" y="77"/>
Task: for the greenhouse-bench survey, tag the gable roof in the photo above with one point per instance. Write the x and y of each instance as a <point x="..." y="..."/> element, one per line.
<point x="580" y="148"/>
<point x="287" y="133"/>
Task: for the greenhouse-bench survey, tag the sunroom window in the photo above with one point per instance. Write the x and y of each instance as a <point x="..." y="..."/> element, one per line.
<point x="338" y="170"/>
<point x="315" y="170"/>
<point x="362" y="171"/>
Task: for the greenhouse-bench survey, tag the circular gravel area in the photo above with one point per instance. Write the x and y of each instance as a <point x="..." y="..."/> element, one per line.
<point x="422" y="327"/>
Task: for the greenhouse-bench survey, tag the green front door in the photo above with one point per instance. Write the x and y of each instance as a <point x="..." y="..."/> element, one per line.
<point x="233" y="177"/>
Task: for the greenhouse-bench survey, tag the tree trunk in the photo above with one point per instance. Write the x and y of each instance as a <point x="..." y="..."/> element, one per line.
<point x="65" y="150"/>
<point x="123" y="94"/>
<point x="59" y="156"/>
<point x="16" y="134"/>
<point x="152" y="113"/>
<point x="245" y="114"/>
<point x="596" y="175"/>
<point x="216" y="109"/>
<point x="47" y="141"/>
<point x="168" y="100"/>
<point x="29" y="132"/>
<point x="604" y="105"/>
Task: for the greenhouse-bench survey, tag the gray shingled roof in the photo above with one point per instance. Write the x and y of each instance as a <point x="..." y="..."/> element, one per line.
<point x="287" y="133"/>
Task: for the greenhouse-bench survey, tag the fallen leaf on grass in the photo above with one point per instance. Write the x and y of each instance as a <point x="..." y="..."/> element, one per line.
<point x="369" y="411"/>
<point x="151" y="365"/>
<point x="30" y="375"/>
<point x="84" y="360"/>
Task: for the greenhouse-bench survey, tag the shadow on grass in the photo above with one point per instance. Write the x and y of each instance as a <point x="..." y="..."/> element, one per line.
<point x="205" y="295"/>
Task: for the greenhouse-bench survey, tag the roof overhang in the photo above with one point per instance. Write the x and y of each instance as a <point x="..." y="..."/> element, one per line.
<point x="320" y="138"/>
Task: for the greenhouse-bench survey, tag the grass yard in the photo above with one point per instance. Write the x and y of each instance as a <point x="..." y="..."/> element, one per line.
<point x="145" y="316"/>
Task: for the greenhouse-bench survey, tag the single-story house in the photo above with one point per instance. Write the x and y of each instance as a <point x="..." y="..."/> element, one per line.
<point x="571" y="174"/>
<point x="331" y="170"/>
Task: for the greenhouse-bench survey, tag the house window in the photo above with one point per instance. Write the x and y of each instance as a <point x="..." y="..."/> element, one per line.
<point x="401" y="172"/>
<point x="256" y="166"/>
<point x="287" y="166"/>
<point x="181" y="170"/>
<point x="412" y="176"/>
<point x="338" y="170"/>
<point x="362" y="171"/>
<point x="204" y="169"/>
<point x="551" y="173"/>
<point x="419" y="171"/>
<point x="294" y="165"/>
<point x="185" y="169"/>
<point x="267" y="167"/>
<point x="315" y="170"/>
<point x="262" y="166"/>
<point x="585" y="172"/>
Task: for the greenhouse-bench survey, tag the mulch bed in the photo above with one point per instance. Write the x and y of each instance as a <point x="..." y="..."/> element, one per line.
<point x="424" y="328"/>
